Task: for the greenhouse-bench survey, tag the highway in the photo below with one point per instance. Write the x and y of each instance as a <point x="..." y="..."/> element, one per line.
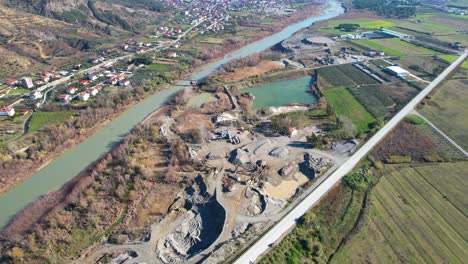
<point x="289" y="220"/>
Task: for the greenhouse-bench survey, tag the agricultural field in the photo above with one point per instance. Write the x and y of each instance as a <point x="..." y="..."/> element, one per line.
<point x="158" y="67"/>
<point x="364" y="23"/>
<point x="41" y="119"/>
<point x="452" y="58"/>
<point x="342" y="76"/>
<point x="416" y="142"/>
<point x="347" y="106"/>
<point x="374" y="99"/>
<point x="447" y="109"/>
<point x="395" y="47"/>
<point x="417" y="215"/>
<point x="216" y="41"/>
<point x="426" y="67"/>
<point x="320" y="231"/>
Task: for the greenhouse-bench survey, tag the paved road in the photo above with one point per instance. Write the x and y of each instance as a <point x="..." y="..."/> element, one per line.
<point x="288" y="222"/>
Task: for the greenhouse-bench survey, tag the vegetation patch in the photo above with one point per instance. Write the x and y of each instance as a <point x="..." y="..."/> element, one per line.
<point x="342" y="75"/>
<point x="417" y="215"/>
<point x="346" y="105"/>
<point x="374" y="99"/>
<point x="452" y="58"/>
<point x="41" y="119"/>
<point x="414" y="119"/>
<point x="447" y="110"/>
<point x="395" y="47"/>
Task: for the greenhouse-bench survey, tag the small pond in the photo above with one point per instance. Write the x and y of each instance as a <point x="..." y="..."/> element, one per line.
<point x="281" y="93"/>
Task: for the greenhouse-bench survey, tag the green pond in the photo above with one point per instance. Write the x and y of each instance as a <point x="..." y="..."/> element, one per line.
<point x="198" y="100"/>
<point x="282" y="93"/>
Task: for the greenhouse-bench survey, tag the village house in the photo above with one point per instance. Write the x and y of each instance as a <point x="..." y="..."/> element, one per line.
<point x="83" y="96"/>
<point x="12" y="82"/>
<point x="93" y="91"/>
<point x="172" y="54"/>
<point x="124" y="83"/>
<point x="112" y="81"/>
<point x="7" y="111"/>
<point x="64" y="98"/>
<point x="71" y="90"/>
<point x="85" y="82"/>
<point x="24" y="112"/>
<point x="92" y="77"/>
<point x="34" y="95"/>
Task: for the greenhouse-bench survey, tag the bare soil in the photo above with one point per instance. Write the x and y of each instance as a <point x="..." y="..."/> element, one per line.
<point x="262" y="67"/>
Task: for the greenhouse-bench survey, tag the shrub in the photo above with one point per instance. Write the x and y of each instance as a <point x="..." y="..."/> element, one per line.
<point x="433" y="158"/>
<point x="398" y="159"/>
<point x="357" y="181"/>
<point x="414" y="119"/>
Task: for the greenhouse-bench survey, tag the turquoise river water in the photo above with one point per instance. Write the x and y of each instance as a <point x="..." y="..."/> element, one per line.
<point x="72" y="162"/>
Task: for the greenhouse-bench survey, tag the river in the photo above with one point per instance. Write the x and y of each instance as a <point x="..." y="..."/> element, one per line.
<point x="72" y="162"/>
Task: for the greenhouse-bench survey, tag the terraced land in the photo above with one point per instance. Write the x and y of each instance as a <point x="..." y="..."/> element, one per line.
<point x="342" y="76"/>
<point x="347" y="106"/>
<point x="447" y="109"/>
<point x="395" y="47"/>
<point x="374" y="99"/>
<point x="417" y="215"/>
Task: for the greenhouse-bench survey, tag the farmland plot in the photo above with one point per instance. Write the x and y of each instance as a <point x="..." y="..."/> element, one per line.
<point x="341" y="76"/>
<point x="346" y="105"/>
<point x="373" y="99"/>
<point x="417" y="215"/>
<point x="447" y="110"/>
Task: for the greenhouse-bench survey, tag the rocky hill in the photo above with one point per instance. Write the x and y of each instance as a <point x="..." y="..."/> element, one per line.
<point x="35" y="33"/>
<point x="100" y="14"/>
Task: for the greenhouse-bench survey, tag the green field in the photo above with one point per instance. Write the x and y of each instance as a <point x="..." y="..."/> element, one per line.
<point x="395" y="47"/>
<point x="447" y="109"/>
<point x="463" y="4"/>
<point x="342" y="76"/>
<point x="452" y="58"/>
<point x="18" y="91"/>
<point x="417" y="215"/>
<point x="346" y="105"/>
<point x="158" y="67"/>
<point x="212" y="41"/>
<point x="427" y="27"/>
<point x="365" y="23"/>
<point x="41" y="119"/>
<point x="373" y="98"/>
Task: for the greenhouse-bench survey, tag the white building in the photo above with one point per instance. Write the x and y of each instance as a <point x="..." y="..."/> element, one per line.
<point x="27" y="83"/>
<point x="93" y="91"/>
<point x="7" y="111"/>
<point x="83" y="96"/>
<point x="397" y="71"/>
<point x="35" y="95"/>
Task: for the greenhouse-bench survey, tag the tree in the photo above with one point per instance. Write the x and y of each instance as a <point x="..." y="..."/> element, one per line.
<point x="315" y="141"/>
<point x="16" y="253"/>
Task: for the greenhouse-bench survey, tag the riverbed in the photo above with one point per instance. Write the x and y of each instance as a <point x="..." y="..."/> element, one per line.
<point x="72" y="162"/>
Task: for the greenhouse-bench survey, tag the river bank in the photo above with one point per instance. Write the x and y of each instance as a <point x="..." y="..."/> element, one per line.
<point x="72" y="162"/>
<point x="23" y="173"/>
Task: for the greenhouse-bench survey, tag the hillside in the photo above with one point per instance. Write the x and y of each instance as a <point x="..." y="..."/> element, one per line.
<point x="35" y="34"/>
<point x="98" y="14"/>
